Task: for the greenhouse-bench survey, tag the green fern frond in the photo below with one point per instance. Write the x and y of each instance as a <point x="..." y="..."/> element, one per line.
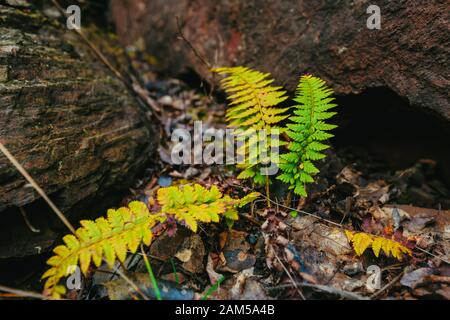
<point x="306" y="130"/>
<point x="124" y="229"/>
<point x="252" y="108"/>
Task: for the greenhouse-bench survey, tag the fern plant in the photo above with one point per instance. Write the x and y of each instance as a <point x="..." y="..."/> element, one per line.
<point x="124" y="229"/>
<point x="362" y="241"/>
<point x="252" y="108"/>
<point x="307" y="129"/>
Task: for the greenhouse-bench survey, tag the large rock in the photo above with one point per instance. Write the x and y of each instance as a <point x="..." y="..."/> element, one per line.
<point x="68" y="121"/>
<point x="410" y="54"/>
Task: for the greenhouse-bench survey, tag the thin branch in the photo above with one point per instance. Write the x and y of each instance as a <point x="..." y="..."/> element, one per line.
<point x="328" y="289"/>
<point x="198" y="55"/>
<point x="431" y="254"/>
<point x="182" y="37"/>
<point x="39" y="190"/>
<point x="289" y="275"/>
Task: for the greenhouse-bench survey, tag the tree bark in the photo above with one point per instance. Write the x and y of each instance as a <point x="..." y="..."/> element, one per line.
<point x="328" y="38"/>
<point x="68" y="121"/>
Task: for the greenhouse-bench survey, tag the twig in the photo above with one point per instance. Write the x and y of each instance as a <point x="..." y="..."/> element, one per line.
<point x="328" y="289"/>
<point x="197" y="54"/>
<point x="33" y="183"/>
<point x="182" y="37"/>
<point x="289" y="275"/>
<point x="22" y="293"/>
<point x="431" y="254"/>
<point x="387" y="286"/>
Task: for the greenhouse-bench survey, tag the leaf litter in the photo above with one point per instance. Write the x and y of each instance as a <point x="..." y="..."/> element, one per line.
<point x="297" y="248"/>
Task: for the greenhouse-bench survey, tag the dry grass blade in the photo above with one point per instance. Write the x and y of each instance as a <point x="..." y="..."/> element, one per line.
<point x="23" y="293"/>
<point x="151" y="275"/>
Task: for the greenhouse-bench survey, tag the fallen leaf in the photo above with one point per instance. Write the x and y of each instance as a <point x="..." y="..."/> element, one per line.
<point x="184" y="255"/>
<point x="416" y="277"/>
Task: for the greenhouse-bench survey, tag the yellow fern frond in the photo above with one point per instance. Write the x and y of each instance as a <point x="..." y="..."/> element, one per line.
<point x="361" y="241"/>
<point x="124" y="229"/>
<point x="190" y="204"/>
<point x="252" y="108"/>
<point x="253" y="98"/>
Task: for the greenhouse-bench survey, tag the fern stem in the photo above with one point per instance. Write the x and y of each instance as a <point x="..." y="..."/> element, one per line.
<point x="268" y="188"/>
<point x="288" y="200"/>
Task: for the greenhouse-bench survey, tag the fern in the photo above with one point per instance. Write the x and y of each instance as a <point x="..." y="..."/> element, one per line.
<point x="362" y="241"/>
<point x="252" y="108"/>
<point x="126" y="228"/>
<point x="307" y="129"/>
<point x="191" y="204"/>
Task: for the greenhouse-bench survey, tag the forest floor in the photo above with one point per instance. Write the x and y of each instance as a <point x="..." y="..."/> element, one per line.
<point x="289" y="247"/>
<point x="296" y="248"/>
